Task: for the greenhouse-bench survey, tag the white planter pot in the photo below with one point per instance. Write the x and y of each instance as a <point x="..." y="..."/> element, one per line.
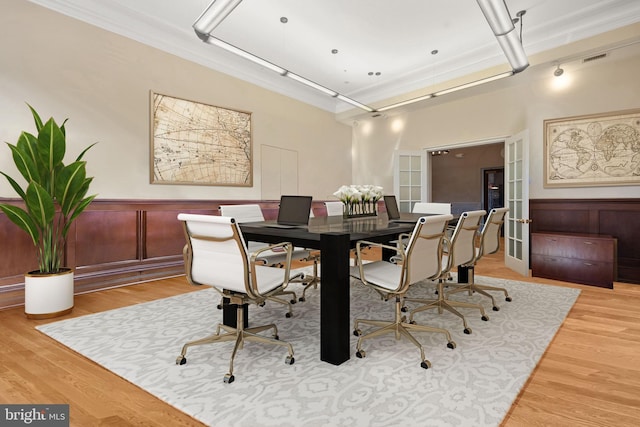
<point x="48" y="295"/>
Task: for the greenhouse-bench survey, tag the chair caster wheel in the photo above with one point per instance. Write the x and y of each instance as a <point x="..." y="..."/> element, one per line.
<point x="360" y="354"/>
<point x="301" y="299"/>
<point x="451" y="345"/>
<point x="181" y="360"/>
<point x="425" y="364"/>
<point x="287" y="315"/>
<point x="467" y="331"/>
<point x="508" y="299"/>
<point x="219" y="306"/>
<point x="357" y="332"/>
<point x="485" y="318"/>
<point x="496" y="308"/>
<point x="404" y="309"/>
<point x="289" y="360"/>
<point x="276" y="337"/>
<point x="293" y="301"/>
<point x="262" y="304"/>
<point x="228" y="379"/>
<point x="412" y="322"/>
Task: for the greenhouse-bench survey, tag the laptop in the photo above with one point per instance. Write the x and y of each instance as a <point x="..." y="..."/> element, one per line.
<point x="394" y="213"/>
<point x="293" y="212"/>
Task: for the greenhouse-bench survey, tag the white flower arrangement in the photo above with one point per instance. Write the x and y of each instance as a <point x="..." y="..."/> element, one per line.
<point x="359" y="199"/>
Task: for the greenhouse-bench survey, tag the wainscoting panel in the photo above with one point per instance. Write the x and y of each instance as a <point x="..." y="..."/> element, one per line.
<point x="619" y="218"/>
<point x="114" y="243"/>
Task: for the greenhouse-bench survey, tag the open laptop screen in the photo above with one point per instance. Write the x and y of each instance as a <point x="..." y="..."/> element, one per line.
<point x="392" y="207"/>
<point x="294" y="210"/>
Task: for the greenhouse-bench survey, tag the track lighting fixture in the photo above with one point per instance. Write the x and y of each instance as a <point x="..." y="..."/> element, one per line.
<point x="558" y="71"/>
<point x="499" y="19"/>
<point x="495" y="11"/>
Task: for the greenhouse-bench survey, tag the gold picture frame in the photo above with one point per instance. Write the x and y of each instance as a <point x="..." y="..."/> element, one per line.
<point x="199" y="144"/>
<point x="592" y="150"/>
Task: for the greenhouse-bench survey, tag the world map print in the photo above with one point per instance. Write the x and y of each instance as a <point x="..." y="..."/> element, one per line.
<point x="195" y="143"/>
<point x="593" y="150"/>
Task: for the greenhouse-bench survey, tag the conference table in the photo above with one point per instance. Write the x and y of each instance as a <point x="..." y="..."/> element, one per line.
<point x="334" y="236"/>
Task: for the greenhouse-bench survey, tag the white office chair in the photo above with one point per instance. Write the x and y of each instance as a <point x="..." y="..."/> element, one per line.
<point x="420" y="260"/>
<point x="489" y="243"/>
<point x="432" y="208"/>
<point x="253" y="213"/>
<point x="461" y="251"/>
<point x="216" y="255"/>
<point x="334" y="208"/>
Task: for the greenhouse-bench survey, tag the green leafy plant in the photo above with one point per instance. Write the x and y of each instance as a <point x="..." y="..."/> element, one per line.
<point x="55" y="192"/>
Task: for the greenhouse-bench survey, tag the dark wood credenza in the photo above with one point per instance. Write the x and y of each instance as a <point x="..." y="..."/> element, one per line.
<point x="589" y="259"/>
<point x="618" y="218"/>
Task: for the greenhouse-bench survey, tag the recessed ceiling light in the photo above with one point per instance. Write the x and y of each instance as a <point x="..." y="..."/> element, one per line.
<point x="284" y="19"/>
<point x="334" y="51"/>
<point x="434" y="52"/>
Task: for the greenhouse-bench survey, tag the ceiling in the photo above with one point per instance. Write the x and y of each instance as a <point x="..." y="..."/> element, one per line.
<point x="385" y="49"/>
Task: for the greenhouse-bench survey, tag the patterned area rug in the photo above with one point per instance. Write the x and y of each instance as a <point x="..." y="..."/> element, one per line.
<point x="472" y="385"/>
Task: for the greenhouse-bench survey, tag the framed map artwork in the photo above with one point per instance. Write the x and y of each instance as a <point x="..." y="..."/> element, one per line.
<point x="594" y="150"/>
<point x="199" y="144"/>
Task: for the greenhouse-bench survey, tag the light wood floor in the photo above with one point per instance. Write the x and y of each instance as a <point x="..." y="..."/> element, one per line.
<point x="589" y="376"/>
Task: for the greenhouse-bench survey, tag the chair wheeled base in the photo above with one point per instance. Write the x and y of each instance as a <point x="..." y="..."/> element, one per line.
<point x="472" y="287"/>
<point x="445" y="304"/>
<point x="401" y="328"/>
<point x="239" y="334"/>
<point x="308" y="280"/>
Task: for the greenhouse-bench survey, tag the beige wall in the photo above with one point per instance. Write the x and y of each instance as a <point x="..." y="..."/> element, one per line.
<point x="101" y="81"/>
<point x="480" y="114"/>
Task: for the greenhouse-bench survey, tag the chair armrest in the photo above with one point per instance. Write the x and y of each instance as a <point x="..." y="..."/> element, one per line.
<point x="398" y="249"/>
<point x="446" y="245"/>
<point x="277" y="247"/>
<point x="286" y="247"/>
<point x="399" y="254"/>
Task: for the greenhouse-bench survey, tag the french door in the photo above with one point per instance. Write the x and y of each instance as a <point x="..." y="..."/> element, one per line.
<point x="409" y="178"/>
<point x="516" y="237"/>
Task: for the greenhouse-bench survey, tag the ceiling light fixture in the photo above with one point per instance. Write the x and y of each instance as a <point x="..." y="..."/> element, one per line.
<point x="497" y="15"/>
<point x="495" y="12"/>
<point x="355" y="103"/>
<point x="244" y="54"/>
<point x="499" y="19"/>
<point x="407" y="102"/>
<point x="474" y="83"/>
<point x="558" y="71"/>
<point x="311" y="84"/>
<point x="213" y="15"/>
<point x="439" y="152"/>
<point x="217" y="11"/>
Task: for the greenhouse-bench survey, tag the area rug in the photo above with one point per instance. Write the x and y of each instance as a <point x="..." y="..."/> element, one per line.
<point x="471" y="385"/>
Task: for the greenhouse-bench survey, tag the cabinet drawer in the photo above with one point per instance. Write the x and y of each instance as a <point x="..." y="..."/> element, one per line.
<point x="585" y="272"/>
<point x="585" y="248"/>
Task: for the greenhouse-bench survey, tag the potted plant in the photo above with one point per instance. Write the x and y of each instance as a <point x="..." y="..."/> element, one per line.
<point x="54" y="196"/>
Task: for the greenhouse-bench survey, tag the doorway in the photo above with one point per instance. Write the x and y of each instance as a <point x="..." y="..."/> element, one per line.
<point x="492" y="188"/>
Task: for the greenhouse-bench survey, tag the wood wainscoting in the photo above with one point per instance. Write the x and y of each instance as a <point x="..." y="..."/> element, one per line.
<point x="114" y="243"/>
<point x="619" y="218"/>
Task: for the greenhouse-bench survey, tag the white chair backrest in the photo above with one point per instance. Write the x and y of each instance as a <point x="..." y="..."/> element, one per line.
<point x="243" y="213"/>
<point x="334" y="208"/>
<point x="432" y="208"/>
<point x="491" y="231"/>
<point x="216" y="254"/>
<point x="463" y="248"/>
<point x="424" y="248"/>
